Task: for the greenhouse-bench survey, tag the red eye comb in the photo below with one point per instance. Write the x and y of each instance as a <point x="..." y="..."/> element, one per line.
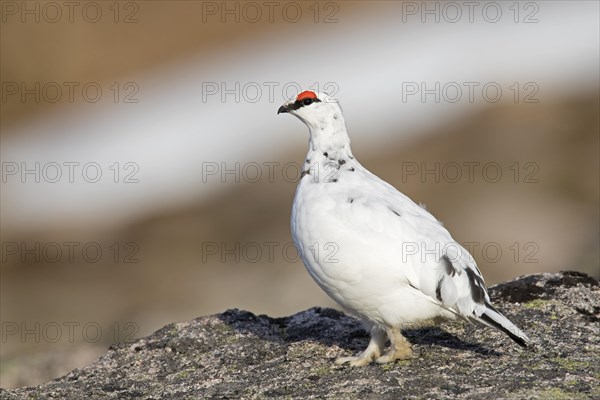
<point x="307" y="94"/>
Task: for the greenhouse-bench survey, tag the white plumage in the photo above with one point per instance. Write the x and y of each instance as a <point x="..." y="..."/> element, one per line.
<point x="382" y="257"/>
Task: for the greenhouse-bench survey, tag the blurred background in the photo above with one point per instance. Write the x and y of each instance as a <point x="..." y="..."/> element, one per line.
<point x="147" y="179"/>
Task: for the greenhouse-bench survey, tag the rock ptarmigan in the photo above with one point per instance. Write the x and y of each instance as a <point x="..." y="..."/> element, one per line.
<point x="379" y="255"/>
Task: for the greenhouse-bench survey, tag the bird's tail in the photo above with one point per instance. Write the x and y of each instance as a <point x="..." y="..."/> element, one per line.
<point x="494" y="319"/>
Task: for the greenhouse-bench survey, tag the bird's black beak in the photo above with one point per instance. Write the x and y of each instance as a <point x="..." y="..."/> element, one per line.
<point x="283" y="109"/>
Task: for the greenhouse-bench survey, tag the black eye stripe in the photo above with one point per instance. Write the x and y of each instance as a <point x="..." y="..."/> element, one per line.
<point x="301" y="103"/>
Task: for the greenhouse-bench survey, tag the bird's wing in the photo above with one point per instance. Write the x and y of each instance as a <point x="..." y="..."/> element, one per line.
<point x="448" y="273"/>
<point x="414" y="240"/>
<point x="439" y="267"/>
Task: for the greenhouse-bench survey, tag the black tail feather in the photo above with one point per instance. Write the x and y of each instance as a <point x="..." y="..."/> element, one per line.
<point x="496" y="325"/>
<point x="496" y="320"/>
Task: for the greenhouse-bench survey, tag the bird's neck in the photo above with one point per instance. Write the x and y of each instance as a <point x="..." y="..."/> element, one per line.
<point x="328" y="152"/>
<point x="329" y="135"/>
<point x="338" y="156"/>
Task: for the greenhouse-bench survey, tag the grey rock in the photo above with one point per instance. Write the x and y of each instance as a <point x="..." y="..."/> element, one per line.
<point x="237" y="354"/>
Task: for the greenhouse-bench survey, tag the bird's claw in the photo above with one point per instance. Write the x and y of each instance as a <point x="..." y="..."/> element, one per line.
<point x="362" y="359"/>
<point x="404" y="353"/>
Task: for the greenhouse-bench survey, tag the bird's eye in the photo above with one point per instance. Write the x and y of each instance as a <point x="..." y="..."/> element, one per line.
<point x="307" y="101"/>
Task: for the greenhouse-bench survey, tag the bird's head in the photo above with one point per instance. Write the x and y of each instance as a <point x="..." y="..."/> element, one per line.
<point x="323" y="116"/>
<point x="314" y="109"/>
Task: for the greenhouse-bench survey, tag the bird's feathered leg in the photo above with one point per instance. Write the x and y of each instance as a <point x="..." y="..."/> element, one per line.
<point x="399" y="349"/>
<point x="373" y="350"/>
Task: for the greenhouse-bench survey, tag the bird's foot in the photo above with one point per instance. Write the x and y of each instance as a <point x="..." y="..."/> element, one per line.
<point x="362" y="359"/>
<point x="393" y="355"/>
<point x="372" y="352"/>
<point x="400" y="349"/>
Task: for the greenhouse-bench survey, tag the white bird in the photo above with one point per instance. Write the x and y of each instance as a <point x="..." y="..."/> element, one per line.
<point x="379" y="255"/>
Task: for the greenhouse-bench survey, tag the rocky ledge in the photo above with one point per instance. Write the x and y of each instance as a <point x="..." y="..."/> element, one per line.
<point x="240" y="355"/>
